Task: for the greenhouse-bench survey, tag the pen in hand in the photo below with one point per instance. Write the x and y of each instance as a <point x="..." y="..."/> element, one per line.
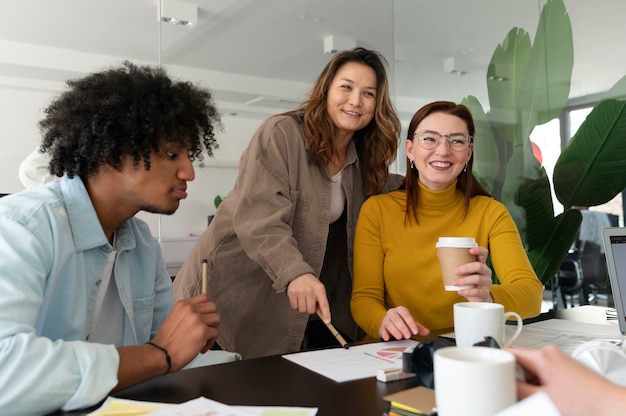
<point x="205" y="266"/>
<point x="334" y="331"/>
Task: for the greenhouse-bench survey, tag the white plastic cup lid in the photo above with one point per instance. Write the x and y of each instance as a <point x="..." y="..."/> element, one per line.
<point x="461" y="242"/>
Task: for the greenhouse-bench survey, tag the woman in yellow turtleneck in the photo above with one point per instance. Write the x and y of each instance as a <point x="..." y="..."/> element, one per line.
<point x="398" y="291"/>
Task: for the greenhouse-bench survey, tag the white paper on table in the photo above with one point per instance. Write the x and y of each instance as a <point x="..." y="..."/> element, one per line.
<point x="567" y="335"/>
<point x="201" y="407"/>
<point x="356" y="362"/>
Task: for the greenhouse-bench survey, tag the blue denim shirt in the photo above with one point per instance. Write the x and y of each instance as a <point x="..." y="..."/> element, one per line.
<point x="52" y="254"/>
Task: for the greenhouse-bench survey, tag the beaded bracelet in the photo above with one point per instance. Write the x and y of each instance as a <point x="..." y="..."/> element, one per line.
<point x="167" y="356"/>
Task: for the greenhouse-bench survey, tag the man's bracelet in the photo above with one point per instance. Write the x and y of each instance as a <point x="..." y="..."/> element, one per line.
<point x="167" y="356"/>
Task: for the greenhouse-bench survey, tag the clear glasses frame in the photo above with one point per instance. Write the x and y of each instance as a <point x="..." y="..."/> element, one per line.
<point x="428" y="140"/>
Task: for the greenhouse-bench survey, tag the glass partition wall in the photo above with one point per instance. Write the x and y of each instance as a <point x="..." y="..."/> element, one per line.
<point x="530" y="77"/>
<point x="519" y="66"/>
<point x="531" y="72"/>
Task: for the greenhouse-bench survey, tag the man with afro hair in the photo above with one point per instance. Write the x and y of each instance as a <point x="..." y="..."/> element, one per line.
<point x="86" y="306"/>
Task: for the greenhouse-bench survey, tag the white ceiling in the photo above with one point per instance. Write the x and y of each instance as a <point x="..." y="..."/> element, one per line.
<point x="269" y="51"/>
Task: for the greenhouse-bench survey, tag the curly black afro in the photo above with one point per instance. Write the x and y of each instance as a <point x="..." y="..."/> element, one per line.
<point x="129" y="110"/>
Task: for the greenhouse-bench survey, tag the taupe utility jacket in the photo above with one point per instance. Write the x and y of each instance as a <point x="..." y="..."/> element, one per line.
<point x="271" y="228"/>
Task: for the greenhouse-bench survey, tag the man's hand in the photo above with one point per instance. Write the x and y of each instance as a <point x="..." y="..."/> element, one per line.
<point x="574" y="388"/>
<point x="190" y="328"/>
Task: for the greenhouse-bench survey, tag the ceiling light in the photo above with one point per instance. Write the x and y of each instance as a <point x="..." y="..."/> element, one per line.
<point x="334" y="44"/>
<point x="177" y="13"/>
<point x="453" y="66"/>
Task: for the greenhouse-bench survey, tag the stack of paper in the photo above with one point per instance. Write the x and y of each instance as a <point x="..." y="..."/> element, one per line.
<point x="196" y="407"/>
<point x="567" y="335"/>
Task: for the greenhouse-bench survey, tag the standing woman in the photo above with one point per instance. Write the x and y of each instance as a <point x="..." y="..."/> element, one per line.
<point x="398" y="290"/>
<point x="281" y="243"/>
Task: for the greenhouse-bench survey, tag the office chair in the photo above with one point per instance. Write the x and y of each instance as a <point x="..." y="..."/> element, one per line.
<point x="595" y="273"/>
<point x="570" y="276"/>
<point x="583" y="274"/>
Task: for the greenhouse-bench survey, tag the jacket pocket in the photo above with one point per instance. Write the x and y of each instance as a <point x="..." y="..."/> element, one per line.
<point x="143" y="312"/>
<point x="300" y="213"/>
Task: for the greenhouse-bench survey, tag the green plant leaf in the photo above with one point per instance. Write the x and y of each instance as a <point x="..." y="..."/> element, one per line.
<point x="618" y="90"/>
<point x="529" y="85"/>
<point x="547" y="259"/>
<point x="486" y="157"/>
<point x="535" y="199"/>
<point x="591" y="170"/>
<point x="545" y="88"/>
<point x="512" y="183"/>
<point x="526" y="194"/>
<point x="504" y="74"/>
<point x="217" y="201"/>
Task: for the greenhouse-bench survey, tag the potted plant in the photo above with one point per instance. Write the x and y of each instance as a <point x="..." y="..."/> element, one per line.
<point x="216" y="201"/>
<point x="528" y="85"/>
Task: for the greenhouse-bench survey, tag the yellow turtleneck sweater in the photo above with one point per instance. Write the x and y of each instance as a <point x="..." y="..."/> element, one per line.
<point x="395" y="264"/>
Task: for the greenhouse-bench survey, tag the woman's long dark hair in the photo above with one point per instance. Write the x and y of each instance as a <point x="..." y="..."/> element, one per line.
<point x="467" y="182"/>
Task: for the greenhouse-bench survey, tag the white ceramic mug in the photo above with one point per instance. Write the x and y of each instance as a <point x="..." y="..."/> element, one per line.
<point x="473" y="321"/>
<point x="473" y="381"/>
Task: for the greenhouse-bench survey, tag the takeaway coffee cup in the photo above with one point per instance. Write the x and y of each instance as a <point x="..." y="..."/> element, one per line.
<point x="473" y="381"/>
<point x="473" y="321"/>
<point x="454" y="252"/>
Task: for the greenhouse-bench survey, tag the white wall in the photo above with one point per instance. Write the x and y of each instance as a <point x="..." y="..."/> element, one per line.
<point x="22" y="102"/>
<point x="20" y="111"/>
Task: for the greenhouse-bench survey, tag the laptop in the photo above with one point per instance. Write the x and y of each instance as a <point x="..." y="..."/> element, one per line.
<point x="614" y="240"/>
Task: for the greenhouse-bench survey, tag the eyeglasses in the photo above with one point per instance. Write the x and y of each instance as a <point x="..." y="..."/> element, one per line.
<point x="429" y="139"/>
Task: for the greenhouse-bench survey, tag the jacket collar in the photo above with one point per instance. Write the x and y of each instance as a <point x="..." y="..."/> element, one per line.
<point x="84" y="222"/>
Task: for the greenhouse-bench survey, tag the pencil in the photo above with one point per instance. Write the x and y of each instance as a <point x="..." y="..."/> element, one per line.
<point x="334" y="331"/>
<point x="205" y="266"/>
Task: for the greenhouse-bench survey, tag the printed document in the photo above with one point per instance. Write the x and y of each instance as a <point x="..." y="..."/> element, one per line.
<point x="356" y="362"/>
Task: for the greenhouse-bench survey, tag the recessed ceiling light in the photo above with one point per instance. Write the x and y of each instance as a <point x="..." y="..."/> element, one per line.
<point x="177" y="13"/>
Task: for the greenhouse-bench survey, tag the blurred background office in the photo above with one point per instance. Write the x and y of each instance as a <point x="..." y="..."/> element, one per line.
<point x="260" y="57"/>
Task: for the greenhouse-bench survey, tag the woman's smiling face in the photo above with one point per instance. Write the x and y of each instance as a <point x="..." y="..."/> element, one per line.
<point x="440" y="166"/>
<point x="351" y="99"/>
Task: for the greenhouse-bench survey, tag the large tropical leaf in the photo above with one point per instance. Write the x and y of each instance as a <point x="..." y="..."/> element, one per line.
<point x="486" y="156"/>
<point x="618" y="90"/>
<point x="591" y="170"/>
<point x="510" y="190"/>
<point x="535" y="199"/>
<point x="545" y="88"/>
<point x="526" y="194"/>
<point x="529" y="85"/>
<point x="547" y="259"/>
<point x="504" y="74"/>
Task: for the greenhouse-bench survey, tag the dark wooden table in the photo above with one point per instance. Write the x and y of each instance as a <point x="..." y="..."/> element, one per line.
<point x="274" y="381"/>
<point x="270" y="381"/>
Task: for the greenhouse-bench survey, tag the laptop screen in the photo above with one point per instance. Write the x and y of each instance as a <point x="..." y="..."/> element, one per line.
<point x="615" y="249"/>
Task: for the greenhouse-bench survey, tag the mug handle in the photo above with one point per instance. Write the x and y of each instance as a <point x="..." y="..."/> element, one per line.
<point x="518" y="329"/>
